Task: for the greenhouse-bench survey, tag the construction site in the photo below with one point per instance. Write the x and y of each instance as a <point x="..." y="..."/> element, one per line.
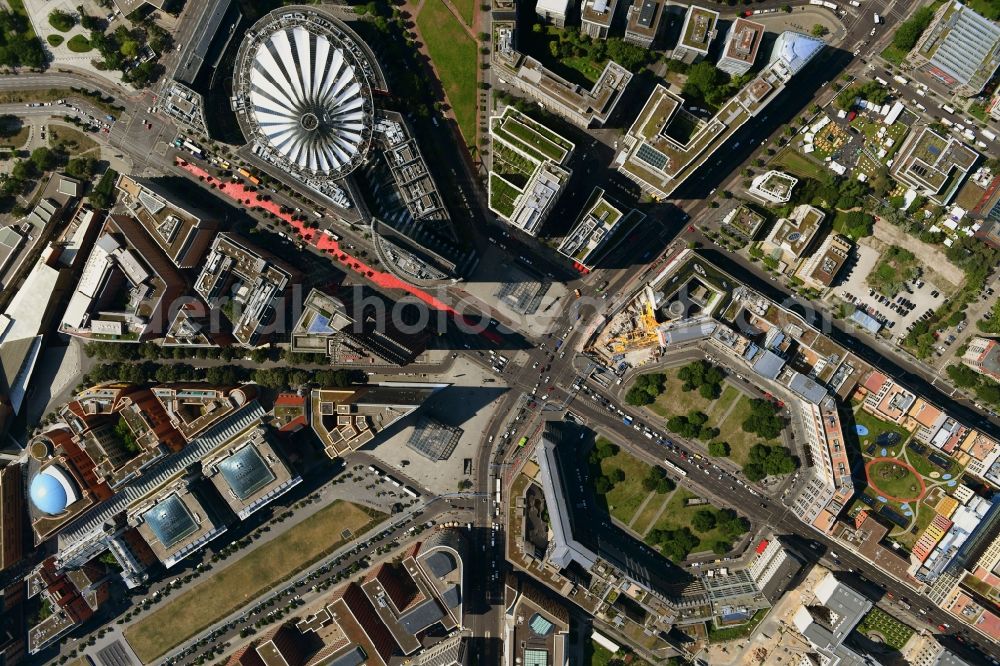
<point x="676" y="306"/>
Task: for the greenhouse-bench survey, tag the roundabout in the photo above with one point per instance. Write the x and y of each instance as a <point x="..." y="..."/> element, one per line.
<point x="895" y="479"/>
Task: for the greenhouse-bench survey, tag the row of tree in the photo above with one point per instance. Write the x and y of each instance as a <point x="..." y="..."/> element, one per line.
<point x="985" y="388"/>
<point x="227" y="375"/>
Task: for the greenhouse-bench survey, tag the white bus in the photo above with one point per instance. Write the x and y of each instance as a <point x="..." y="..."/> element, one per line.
<point x="410" y="491"/>
<point x="676" y="470"/>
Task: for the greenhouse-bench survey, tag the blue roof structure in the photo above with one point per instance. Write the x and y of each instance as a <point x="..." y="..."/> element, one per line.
<point x="48" y="494"/>
<point x="246" y="472"/>
<point x="807" y="388"/>
<point x="170" y="521"/>
<point x="768" y="365"/>
<point x="867" y="321"/>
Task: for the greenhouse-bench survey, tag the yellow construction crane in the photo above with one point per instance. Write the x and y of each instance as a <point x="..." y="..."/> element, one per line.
<point x="643" y="335"/>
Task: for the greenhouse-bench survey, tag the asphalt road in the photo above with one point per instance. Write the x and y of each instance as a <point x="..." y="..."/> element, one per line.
<point x="555" y="373"/>
<point x="704" y="476"/>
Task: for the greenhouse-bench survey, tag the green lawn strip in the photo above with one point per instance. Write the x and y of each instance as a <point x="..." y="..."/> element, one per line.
<point x="624" y="499"/>
<point x="247" y="578"/>
<point x="678" y="515"/>
<point x="798" y="164"/>
<point x="644" y="521"/>
<point x="540" y="143"/>
<point x="525" y="147"/>
<point x="466" y="8"/>
<point x="892" y="630"/>
<point x="502" y="195"/>
<point x="455" y="59"/>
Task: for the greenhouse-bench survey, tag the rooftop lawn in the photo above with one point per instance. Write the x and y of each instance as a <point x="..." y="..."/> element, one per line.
<point x="877" y="426"/>
<point x="878" y="623"/>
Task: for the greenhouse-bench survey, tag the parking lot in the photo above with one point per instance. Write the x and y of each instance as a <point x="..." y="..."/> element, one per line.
<point x="919" y="296"/>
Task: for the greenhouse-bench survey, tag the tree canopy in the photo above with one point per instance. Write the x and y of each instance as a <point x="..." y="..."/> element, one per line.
<point x="763" y="419"/>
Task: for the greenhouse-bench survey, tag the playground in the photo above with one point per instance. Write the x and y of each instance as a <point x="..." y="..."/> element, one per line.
<point x="905" y="478"/>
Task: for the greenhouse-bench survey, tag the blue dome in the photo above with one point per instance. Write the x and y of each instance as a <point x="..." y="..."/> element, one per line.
<point x="48" y="494"/>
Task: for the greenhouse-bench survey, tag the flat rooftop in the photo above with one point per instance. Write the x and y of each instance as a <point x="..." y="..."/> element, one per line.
<point x="932" y="161"/>
<point x="644" y="18"/>
<point x="249" y="473"/>
<point x="252" y="278"/>
<point x="596" y="226"/>
<point x="347" y="419"/>
<point x="600" y="12"/>
<point x="962" y="46"/>
<point x="181" y="232"/>
<point x="699" y="27"/>
<point x="744" y="40"/>
<point x="175" y="525"/>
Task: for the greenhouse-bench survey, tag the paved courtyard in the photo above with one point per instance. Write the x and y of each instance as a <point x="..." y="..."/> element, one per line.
<point x="467" y="404"/>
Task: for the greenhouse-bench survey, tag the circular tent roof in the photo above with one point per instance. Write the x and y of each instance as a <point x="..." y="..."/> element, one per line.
<point x="305" y="95"/>
<point x="52" y="491"/>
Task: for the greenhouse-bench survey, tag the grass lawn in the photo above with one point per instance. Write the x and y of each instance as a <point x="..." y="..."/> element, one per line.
<point x="740" y="442"/>
<point x="55" y="40"/>
<point x="894" y="55"/>
<point x="597" y="655"/>
<point x="247" y="578"/>
<point x="78" y="142"/>
<point x="624" y="499"/>
<point x="79" y="44"/>
<point x="455" y="59"/>
<point x="644" y="521"/>
<point x="906" y="537"/>
<point x="894" y="632"/>
<point x="798" y="164"/>
<point x="466" y="8"/>
<point x="925" y="466"/>
<point x="720" y="406"/>
<point x="896" y="480"/>
<point x="675" y="402"/>
<point x="876" y="427"/>
<point x="678" y="515"/>
<point x="16" y="140"/>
